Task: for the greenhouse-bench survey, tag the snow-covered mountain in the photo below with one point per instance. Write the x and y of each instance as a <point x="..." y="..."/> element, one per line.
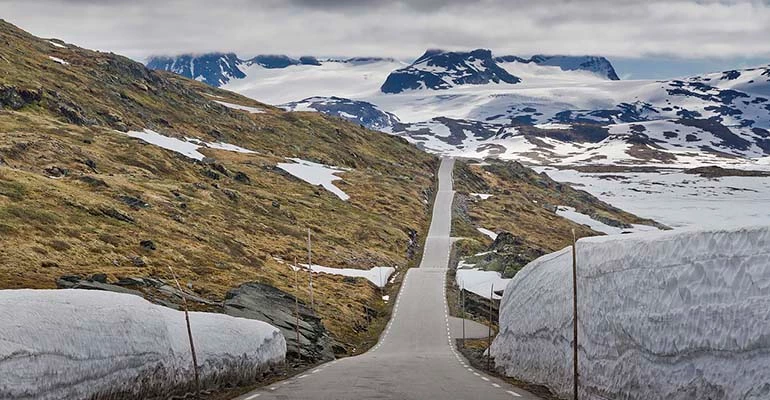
<point x="216" y="69"/>
<point x="438" y="69"/>
<point x="597" y="65"/>
<point x="545" y="109"/>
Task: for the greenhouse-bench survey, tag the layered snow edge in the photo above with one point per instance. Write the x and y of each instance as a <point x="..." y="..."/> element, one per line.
<point x="673" y="315"/>
<point x="79" y="344"/>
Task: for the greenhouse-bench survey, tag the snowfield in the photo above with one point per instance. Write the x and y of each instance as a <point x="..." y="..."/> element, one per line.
<point x="673" y="315"/>
<point x="77" y="344"/>
<point x="675" y="198"/>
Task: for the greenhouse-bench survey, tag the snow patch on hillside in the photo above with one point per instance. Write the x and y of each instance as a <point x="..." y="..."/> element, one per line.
<point x="187" y="147"/>
<point x="376" y="275"/>
<point x="67" y="344"/>
<point x="685" y="311"/>
<point x="583" y="219"/>
<point x="58" y="60"/>
<point x="315" y="174"/>
<point x="253" y="110"/>
<point x="492" y="235"/>
<point x="479" y="281"/>
<point x="59" y="45"/>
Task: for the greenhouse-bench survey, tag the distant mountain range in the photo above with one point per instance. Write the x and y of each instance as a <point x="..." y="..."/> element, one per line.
<point x="436" y="69"/>
<point x="542" y="109"/>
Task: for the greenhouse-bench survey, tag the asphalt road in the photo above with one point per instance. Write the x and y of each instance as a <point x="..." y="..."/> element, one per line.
<point x="415" y="357"/>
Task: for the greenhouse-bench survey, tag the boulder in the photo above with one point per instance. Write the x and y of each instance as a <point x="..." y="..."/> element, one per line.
<point x="276" y="307"/>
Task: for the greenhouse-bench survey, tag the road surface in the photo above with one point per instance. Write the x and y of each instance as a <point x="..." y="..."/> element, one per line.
<point x="415" y="357"/>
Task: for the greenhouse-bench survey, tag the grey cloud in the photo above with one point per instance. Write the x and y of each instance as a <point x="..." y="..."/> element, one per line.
<point x="404" y="29"/>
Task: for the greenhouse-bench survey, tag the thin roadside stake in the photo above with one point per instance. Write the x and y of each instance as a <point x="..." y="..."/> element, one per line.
<point x="189" y="333"/>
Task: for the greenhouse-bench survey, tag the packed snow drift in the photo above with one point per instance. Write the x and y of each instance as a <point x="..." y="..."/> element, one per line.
<point x="78" y="344"/>
<point x="674" y="315"/>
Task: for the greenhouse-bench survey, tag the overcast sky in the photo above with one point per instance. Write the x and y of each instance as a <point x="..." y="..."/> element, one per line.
<point x="689" y="36"/>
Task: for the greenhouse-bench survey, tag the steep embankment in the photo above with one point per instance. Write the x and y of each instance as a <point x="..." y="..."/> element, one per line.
<point x="676" y="315"/>
<point x="80" y="196"/>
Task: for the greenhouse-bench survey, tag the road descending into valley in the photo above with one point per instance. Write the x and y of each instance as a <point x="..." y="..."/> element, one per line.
<point x="415" y="357"/>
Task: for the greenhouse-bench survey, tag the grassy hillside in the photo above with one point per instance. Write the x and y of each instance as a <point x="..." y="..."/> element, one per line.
<point x="78" y="196"/>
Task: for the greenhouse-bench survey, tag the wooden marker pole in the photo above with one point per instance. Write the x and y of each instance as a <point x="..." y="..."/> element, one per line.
<point x="489" y="335"/>
<point x="462" y="297"/>
<point x="296" y="304"/>
<point x="189" y="333"/>
<point x="574" y="318"/>
<point x="310" y="269"/>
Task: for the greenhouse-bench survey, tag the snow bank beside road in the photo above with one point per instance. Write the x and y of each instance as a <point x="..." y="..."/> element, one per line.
<point x="76" y="344"/>
<point x="675" y="315"/>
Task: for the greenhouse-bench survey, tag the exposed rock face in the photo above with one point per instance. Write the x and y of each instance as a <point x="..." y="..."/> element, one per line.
<point x="359" y="112"/>
<point x="266" y="303"/>
<point x="215" y="69"/>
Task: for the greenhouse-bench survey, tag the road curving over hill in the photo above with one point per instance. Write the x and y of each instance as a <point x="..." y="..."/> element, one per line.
<point x="415" y="357"/>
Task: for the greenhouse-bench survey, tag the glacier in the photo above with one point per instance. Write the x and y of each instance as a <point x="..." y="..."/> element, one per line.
<point x="670" y="315"/>
<point x="82" y="344"/>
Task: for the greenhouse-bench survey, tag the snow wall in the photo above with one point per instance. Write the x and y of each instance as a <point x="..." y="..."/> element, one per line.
<point x="674" y="315"/>
<point x="82" y="344"/>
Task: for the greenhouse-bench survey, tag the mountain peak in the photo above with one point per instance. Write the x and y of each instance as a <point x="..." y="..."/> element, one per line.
<point x="215" y="69"/>
<point x="438" y="69"/>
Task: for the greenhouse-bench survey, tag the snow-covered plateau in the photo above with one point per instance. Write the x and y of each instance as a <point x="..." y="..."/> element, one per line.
<point x="675" y="315"/>
<point x="675" y="198"/>
<point x="112" y="344"/>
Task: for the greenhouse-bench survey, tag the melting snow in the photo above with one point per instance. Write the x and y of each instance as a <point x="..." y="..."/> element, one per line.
<point x="61" y="46"/>
<point x="487" y="232"/>
<point x="583" y="219"/>
<point x="59" y="60"/>
<point x="187" y="147"/>
<point x="315" y="174"/>
<point x="482" y="196"/>
<point x="376" y="275"/>
<point x="479" y="281"/>
<point x="253" y="110"/>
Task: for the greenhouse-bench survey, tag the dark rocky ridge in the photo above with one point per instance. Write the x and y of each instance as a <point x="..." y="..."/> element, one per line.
<point x="437" y="68"/>
<point x="266" y="303"/>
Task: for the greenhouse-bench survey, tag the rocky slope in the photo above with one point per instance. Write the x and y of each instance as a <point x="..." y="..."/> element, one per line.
<point x="99" y="175"/>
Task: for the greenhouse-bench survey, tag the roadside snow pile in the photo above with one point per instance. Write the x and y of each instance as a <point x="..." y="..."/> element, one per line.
<point x="187" y="147"/>
<point x="67" y="344"/>
<point x="315" y="174"/>
<point x="670" y="315"/>
<point x="583" y="219"/>
<point x="376" y="275"/>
